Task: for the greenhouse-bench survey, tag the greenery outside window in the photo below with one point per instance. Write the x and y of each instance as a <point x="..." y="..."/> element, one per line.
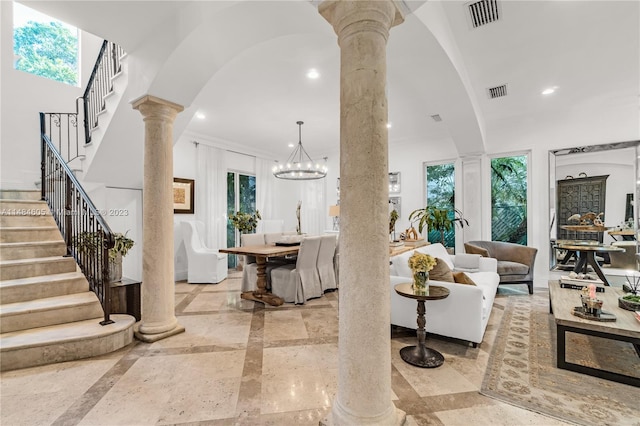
<point x="241" y="197"/>
<point x="440" y="179"/>
<point x="509" y="180"/>
<point x="44" y="46"/>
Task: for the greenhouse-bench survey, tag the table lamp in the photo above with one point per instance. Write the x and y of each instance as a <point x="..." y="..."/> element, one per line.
<point x="334" y="212"/>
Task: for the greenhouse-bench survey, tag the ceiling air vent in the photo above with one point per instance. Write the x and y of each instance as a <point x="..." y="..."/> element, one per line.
<point x="436" y="117"/>
<point x="497" y="92"/>
<point x="483" y="12"/>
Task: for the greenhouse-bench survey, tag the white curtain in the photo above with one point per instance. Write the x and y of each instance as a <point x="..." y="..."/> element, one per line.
<point x="265" y="183"/>
<point x="314" y="210"/>
<point x="211" y="194"/>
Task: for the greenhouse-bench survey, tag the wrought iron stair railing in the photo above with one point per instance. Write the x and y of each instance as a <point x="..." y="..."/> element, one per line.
<point x="100" y="84"/>
<point x="86" y="234"/>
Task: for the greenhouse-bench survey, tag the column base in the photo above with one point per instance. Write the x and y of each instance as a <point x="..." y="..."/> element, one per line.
<point x="150" y="338"/>
<point x="400" y="420"/>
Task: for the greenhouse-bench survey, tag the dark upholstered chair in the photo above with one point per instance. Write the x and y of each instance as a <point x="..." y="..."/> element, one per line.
<point x="515" y="261"/>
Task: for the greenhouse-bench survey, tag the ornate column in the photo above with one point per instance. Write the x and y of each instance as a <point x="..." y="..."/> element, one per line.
<point x="364" y="383"/>
<point x="158" y="306"/>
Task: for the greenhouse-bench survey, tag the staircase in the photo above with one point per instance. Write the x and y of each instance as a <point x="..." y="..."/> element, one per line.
<point x="47" y="312"/>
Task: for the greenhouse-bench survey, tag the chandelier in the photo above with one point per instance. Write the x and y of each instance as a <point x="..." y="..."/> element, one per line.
<point x="299" y="165"/>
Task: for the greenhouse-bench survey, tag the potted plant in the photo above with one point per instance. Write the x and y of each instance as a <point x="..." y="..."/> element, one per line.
<point x="89" y="242"/>
<point x="246" y="223"/>
<point x="438" y="219"/>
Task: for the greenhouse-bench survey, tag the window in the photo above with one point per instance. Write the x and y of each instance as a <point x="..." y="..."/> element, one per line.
<point x="441" y="194"/>
<point x="241" y="197"/>
<point x="44" y="46"/>
<point x="509" y="199"/>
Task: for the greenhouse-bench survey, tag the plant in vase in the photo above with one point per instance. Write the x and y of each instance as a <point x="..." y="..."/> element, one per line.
<point x="438" y="219"/>
<point x="420" y="265"/>
<point x="631" y="301"/>
<point x="89" y="242"/>
<point x="246" y="223"/>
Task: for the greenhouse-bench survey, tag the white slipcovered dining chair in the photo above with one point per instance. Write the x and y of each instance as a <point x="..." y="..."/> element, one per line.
<point x="326" y="267"/>
<point x="250" y="268"/>
<point x="204" y="265"/>
<point x="300" y="282"/>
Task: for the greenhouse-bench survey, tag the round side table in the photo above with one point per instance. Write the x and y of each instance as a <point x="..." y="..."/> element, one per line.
<point x="420" y="355"/>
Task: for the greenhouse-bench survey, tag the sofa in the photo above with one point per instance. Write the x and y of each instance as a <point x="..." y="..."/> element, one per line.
<point x="515" y="261"/>
<point x="464" y="314"/>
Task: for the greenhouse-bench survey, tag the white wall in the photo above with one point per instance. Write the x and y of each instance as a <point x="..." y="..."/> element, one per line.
<point x="22" y="97"/>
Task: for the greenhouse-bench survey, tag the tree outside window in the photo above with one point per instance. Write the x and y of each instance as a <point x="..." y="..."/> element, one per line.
<point x="45" y="47"/>
<point x="509" y="199"/>
<point x="241" y="197"/>
<point x="441" y="194"/>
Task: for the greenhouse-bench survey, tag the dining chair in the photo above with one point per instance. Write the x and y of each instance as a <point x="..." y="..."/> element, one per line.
<point x="300" y="282"/>
<point x="249" y="266"/>
<point x="325" y="264"/>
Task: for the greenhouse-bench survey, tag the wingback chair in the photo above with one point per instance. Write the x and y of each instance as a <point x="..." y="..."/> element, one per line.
<point x="204" y="265"/>
<point x="515" y="261"/>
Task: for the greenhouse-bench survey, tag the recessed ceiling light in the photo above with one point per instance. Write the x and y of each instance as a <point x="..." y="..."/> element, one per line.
<point x="291" y="145"/>
<point x="388" y="125"/>
<point x="549" y="90"/>
<point x="200" y="115"/>
<point x="313" y="74"/>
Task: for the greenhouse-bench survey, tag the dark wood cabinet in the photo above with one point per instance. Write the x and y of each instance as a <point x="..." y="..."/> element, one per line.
<point x="579" y="196"/>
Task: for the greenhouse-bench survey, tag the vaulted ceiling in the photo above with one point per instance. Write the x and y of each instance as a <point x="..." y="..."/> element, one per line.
<point x="242" y="65"/>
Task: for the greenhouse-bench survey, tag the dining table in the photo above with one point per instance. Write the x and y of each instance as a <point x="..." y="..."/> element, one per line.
<point x="262" y="253"/>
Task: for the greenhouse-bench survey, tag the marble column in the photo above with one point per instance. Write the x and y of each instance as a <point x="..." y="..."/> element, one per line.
<point x="364" y="346"/>
<point x="158" y="286"/>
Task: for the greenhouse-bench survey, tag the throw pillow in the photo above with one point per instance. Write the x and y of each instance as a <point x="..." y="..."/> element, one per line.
<point x="462" y="278"/>
<point x="469" y="248"/>
<point x="437" y="250"/>
<point x="468" y="262"/>
<point x="441" y="272"/>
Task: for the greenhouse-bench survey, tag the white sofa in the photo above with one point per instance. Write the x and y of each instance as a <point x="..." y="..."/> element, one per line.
<point x="465" y="313"/>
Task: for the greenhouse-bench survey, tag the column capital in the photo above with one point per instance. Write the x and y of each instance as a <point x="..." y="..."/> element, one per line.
<point x="150" y="105"/>
<point x="351" y="17"/>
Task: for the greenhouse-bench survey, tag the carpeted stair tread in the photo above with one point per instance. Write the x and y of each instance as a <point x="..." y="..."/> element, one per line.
<point x="61" y="333"/>
<point x="48" y="303"/>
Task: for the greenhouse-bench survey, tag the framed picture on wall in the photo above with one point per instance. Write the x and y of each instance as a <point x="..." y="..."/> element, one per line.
<point x="183" y="196"/>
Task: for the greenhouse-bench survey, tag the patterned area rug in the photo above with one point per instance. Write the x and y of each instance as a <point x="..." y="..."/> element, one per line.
<point x="522" y="369"/>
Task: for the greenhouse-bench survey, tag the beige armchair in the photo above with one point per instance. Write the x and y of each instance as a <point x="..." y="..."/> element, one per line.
<point x="515" y="261"/>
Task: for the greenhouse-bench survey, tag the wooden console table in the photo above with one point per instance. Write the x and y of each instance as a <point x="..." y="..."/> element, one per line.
<point x="125" y="297"/>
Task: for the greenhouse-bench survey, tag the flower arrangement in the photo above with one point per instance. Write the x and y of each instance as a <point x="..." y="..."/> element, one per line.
<point x="420" y="262"/>
<point x="246" y="223"/>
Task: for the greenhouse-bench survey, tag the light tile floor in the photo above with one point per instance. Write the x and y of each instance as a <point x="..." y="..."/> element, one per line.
<point x="245" y="364"/>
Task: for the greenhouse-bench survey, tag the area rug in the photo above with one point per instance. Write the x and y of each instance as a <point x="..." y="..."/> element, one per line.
<point x="522" y="369"/>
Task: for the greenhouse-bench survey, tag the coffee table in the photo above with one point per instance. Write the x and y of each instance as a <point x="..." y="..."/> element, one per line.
<point x="626" y="328"/>
<point x="420" y="355"/>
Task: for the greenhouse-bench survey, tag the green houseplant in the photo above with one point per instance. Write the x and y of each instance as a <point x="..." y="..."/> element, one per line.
<point x="246" y="223"/>
<point x="90" y="242"/>
<point x="438" y="219"/>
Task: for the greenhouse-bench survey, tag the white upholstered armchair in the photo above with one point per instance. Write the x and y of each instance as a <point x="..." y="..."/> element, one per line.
<point x="205" y="265"/>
